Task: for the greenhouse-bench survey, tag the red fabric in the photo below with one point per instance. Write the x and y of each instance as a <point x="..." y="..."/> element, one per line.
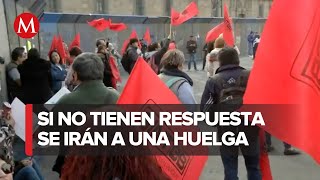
<point x="228" y="33"/>
<point x="53" y="45"/>
<point x="147" y="36"/>
<point x="215" y="32"/>
<point x="145" y="90"/>
<point x="115" y="71"/>
<point x="224" y="28"/>
<point x="124" y="46"/>
<point x="127" y="41"/>
<point x="75" y="42"/>
<point x="117" y="26"/>
<point x="286" y="71"/>
<point x="264" y="159"/>
<point x="99" y="24"/>
<point x="61" y="50"/>
<point x="178" y="18"/>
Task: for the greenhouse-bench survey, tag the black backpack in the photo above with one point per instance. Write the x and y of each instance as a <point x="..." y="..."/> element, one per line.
<point x="230" y="94"/>
<point x="232" y="90"/>
<point x="126" y="62"/>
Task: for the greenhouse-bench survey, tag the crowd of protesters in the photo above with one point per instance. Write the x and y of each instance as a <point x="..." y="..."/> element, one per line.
<point x="90" y="78"/>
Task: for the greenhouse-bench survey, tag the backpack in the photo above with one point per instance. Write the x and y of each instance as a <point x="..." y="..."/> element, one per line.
<point x="125" y="61"/>
<point x="231" y="93"/>
<point x="233" y="89"/>
<point x="152" y="63"/>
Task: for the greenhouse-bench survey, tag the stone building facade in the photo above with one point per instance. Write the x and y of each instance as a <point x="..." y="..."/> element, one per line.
<point x="207" y="8"/>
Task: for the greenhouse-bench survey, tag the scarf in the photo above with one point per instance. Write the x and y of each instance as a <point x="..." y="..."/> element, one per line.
<point x="177" y="72"/>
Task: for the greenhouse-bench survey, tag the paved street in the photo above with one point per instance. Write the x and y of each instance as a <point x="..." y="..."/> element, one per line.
<point x="300" y="167"/>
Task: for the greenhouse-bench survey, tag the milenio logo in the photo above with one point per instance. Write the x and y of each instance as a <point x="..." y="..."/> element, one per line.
<point x="26" y="25"/>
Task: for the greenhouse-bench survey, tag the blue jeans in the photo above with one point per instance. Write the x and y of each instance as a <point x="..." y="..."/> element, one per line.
<point x="29" y="173"/>
<point x="229" y="156"/>
<point x="192" y="59"/>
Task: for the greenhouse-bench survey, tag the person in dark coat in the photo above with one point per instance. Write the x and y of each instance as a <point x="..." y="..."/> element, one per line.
<point x="132" y="52"/>
<point x="35" y="78"/>
<point x="107" y="74"/>
<point x="58" y="71"/>
<point x="232" y="76"/>
<point x="18" y="55"/>
<point x="192" y="49"/>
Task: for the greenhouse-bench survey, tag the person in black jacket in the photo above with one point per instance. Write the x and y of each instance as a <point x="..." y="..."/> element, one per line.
<point x="192" y="49"/>
<point x="35" y="79"/>
<point x="18" y="55"/>
<point x="132" y="53"/>
<point x="231" y="76"/>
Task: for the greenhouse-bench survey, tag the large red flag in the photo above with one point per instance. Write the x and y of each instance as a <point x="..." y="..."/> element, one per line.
<point x="147" y="36"/>
<point x="99" y="24"/>
<point x="224" y="28"/>
<point x="75" y="42"/>
<point x="117" y="26"/>
<point x="288" y="72"/>
<point x="143" y="87"/>
<point x="190" y="11"/>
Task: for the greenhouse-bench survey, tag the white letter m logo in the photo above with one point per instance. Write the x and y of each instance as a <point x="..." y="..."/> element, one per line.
<point x="21" y="23"/>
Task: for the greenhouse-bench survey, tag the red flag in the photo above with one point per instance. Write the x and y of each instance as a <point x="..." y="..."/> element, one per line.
<point x="144" y="89"/>
<point x="147" y="36"/>
<point x="99" y="24"/>
<point x="75" y="42"/>
<point x="215" y="32"/>
<point x="53" y="45"/>
<point x="224" y="28"/>
<point x="228" y="33"/>
<point x="292" y="70"/>
<point x="115" y="72"/>
<point x="117" y="26"/>
<point x="60" y="49"/>
<point x="190" y="11"/>
<point x="126" y="42"/>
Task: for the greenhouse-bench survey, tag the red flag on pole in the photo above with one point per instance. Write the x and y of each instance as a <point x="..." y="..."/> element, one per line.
<point x="224" y="28"/>
<point x="147" y="36"/>
<point x="228" y="33"/>
<point x="215" y="32"/>
<point x="126" y="42"/>
<point x="143" y="89"/>
<point x="99" y="24"/>
<point x="53" y="45"/>
<point x="178" y="18"/>
<point x="117" y="26"/>
<point x="75" y="42"/>
<point x="293" y="72"/>
<point x="60" y="49"/>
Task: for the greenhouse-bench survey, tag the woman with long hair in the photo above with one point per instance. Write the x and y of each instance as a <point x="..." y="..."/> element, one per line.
<point x="58" y="71"/>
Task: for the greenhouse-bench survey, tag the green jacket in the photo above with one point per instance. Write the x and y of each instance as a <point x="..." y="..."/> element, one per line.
<point x="91" y="92"/>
